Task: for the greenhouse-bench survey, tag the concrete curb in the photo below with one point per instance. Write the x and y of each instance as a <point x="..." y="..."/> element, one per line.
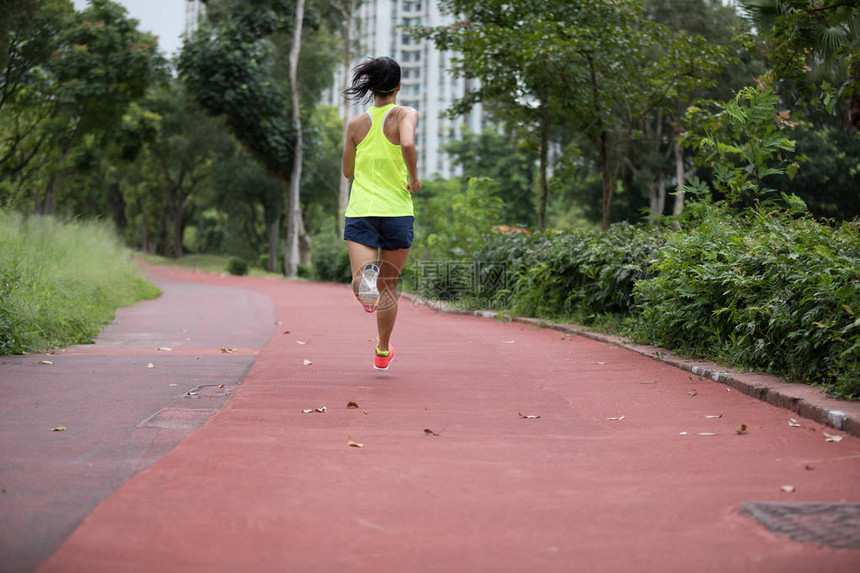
<point x="805" y="401"/>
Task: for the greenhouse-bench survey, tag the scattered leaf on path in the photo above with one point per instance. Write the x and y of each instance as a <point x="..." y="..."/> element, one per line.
<point x="808" y="467"/>
<point x="302" y="341"/>
<point x="150" y="365"/>
<point x="706" y="434"/>
<point x="787" y="488"/>
<point x="165" y="349"/>
<point x="307" y="362"/>
<point x="728" y="389"/>
<point x="529" y="416"/>
<point x="742" y="429"/>
<point x="619" y="418"/>
<point x="319" y="410"/>
<point x="794" y="423"/>
<point x="692" y="393"/>
<point x="220" y="385"/>
<point x="832" y="437"/>
<point x="286" y="332"/>
<point x="48" y="362"/>
<point x="649" y="382"/>
<point x="192" y="393"/>
<point x="508" y="341"/>
<point x="430" y="432"/>
<point x="352" y="444"/>
<point x="351" y="405"/>
<point x="720" y="415"/>
<point x="228" y="350"/>
<point x="601" y="363"/>
<point x="59" y="429"/>
<point x="683" y="434"/>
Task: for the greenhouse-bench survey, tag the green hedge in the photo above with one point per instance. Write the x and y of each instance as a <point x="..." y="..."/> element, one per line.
<point x="766" y="292"/>
<point x="60" y="283"/>
<point x="770" y="293"/>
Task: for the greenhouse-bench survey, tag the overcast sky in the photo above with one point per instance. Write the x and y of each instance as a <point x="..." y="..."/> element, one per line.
<point x="164" y="18"/>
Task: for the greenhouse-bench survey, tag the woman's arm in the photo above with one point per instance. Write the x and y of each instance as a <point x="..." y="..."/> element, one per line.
<point x="349" y="151"/>
<point x="407" y="147"/>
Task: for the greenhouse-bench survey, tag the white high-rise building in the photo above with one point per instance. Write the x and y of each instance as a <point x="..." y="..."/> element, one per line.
<point x="428" y="84"/>
<point x="195" y="11"/>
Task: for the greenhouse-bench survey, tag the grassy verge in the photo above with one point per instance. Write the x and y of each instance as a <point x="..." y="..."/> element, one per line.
<point x="206" y="263"/>
<point x="60" y="283"/>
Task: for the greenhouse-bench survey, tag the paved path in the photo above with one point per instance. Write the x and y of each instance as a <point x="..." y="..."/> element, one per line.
<point x="613" y="476"/>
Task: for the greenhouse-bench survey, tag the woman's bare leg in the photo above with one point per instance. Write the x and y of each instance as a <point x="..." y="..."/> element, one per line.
<point x="390" y="266"/>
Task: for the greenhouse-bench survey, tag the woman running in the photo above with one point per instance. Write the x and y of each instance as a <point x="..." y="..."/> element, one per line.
<point x="380" y="153"/>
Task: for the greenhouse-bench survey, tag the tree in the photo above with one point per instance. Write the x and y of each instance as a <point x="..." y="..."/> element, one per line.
<point x="294" y="220"/>
<point x="510" y="165"/>
<point x="806" y="34"/>
<point x="588" y="64"/>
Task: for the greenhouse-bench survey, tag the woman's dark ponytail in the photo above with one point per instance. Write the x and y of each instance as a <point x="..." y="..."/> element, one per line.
<point x="377" y="76"/>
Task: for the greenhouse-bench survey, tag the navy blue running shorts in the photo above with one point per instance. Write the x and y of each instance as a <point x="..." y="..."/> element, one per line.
<point x="389" y="233"/>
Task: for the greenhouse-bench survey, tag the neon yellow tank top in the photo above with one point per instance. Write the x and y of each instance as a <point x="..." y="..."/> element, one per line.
<point x="379" y="187"/>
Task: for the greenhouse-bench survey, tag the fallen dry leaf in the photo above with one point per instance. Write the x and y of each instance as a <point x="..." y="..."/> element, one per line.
<point x="307" y="362"/>
<point x="742" y="429"/>
<point x="787" y="488"/>
<point x="728" y="389"/>
<point x="692" y="393"/>
<point x="683" y="434"/>
<point x="319" y="410"/>
<point x="706" y="434"/>
<point x="59" y="429"/>
<point x="619" y="418"/>
<point x="150" y="365"/>
<point x="649" y="382"/>
<point x="430" y="432"/>
<point x="302" y="341"/>
<point x="508" y="341"/>
<point x="832" y="437"/>
<point x="228" y="350"/>
<point x="192" y="393"/>
<point x="528" y="417"/>
<point x="220" y="385"/>
<point x="48" y="362"/>
<point x="720" y="415"/>
<point x="352" y="444"/>
<point x="601" y="363"/>
<point x="351" y="405"/>
<point x="165" y="349"/>
<point x="808" y="467"/>
<point x="794" y="423"/>
<point x="286" y="332"/>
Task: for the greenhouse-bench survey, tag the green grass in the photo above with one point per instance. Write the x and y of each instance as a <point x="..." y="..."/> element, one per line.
<point x="206" y="263"/>
<point x="60" y="283"/>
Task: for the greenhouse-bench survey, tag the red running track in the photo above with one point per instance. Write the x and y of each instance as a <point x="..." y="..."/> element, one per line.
<point x="263" y="487"/>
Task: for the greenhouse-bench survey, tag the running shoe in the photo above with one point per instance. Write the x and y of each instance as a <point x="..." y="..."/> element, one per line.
<point x="382" y="361"/>
<point x="368" y="293"/>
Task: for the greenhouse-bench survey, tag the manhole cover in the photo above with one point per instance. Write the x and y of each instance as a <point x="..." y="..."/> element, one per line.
<point x="188" y="418"/>
<point x="833" y="524"/>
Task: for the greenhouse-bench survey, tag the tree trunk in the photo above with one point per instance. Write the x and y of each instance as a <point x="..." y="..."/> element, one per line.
<point x="544" y="149"/>
<point x="178" y="228"/>
<point x="46" y="205"/>
<point x="343" y="187"/>
<point x="681" y="177"/>
<point x="144" y="229"/>
<point x="606" y="178"/>
<point x="272" y="236"/>
<point x="117" y="203"/>
<point x="294" y="213"/>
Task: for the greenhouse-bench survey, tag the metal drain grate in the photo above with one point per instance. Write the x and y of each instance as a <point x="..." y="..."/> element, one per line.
<point x="835" y="525"/>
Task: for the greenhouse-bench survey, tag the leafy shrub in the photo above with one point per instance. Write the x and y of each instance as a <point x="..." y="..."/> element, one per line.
<point x="452" y="222"/>
<point x="237" y="267"/>
<point x="60" y="283"/>
<point x="576" y="274"/>
<point x="770" y="293"/>
<point x="330" y="258"/>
